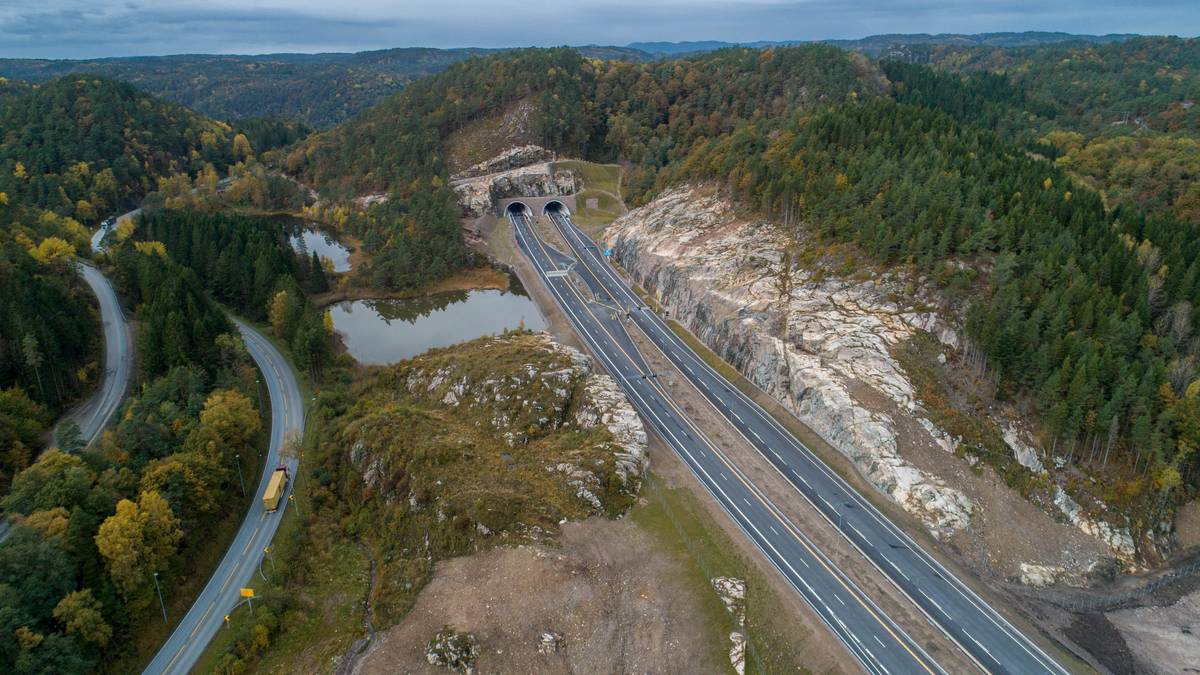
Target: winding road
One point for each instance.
(989, 639)
(243, 558)
(95, 414)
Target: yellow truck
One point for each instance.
(275, 489)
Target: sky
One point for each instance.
(99, 28)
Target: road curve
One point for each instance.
(977, 628)
(868, 634)
(94, 414)
(240, 565)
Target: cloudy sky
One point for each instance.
(95, 28)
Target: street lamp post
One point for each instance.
(161, 604)
(241, 481)
(292, 499)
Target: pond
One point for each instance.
(387, 331)
(311, 239)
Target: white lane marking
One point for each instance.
(776, 532)
(879, 641)
(935, 602)
(989, 652)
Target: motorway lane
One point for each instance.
(872, 638)
(983, 634)
(242, 561)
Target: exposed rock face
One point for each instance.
(1117, 538)
(512, 158)
(478, 195)
(732, 592)
(821, 350)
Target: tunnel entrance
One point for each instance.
(516, 209)
(554, 207)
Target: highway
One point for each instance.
(868, 634)
(241, 563)
(978, 629)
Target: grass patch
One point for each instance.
(679, 522)
(602, 183)
(604, 177)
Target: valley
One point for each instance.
(827, 356)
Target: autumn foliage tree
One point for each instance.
(138, 539)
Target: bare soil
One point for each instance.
(616, 600)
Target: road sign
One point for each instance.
(247, 592)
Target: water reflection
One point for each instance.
(387, 331)
(308, 240)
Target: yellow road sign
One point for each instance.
(247, 592)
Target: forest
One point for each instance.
(66, 148)
(91, 529)
(247, 263)
(1090, 294)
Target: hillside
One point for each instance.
(320, 90)
(876, 45)
(83, 146)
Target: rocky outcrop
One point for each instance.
(1117, 538)
(478, 195)
(732, 592)
(453, 650)
(553, 387)
(513, 158)
(821, 344)
(818, 346)
(605, 404)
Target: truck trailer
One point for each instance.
(275, 489)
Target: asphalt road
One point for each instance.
(94, 415)
(241, 565)
(870, 636)
(983, 634)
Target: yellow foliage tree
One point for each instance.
(19, 171)
(81, 614)
(232, 415)
(277, 312)
(241, 147)
(151, 248)
(52, 251)
(137, 540)
(51, 523)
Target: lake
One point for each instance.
(387, 331)
(311, 239)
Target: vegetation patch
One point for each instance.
(493, 441)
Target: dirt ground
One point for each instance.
(1163, 639)
(616, 600)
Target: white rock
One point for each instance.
(1118, 539)
(1025, 454)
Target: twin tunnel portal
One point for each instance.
(536, 206)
